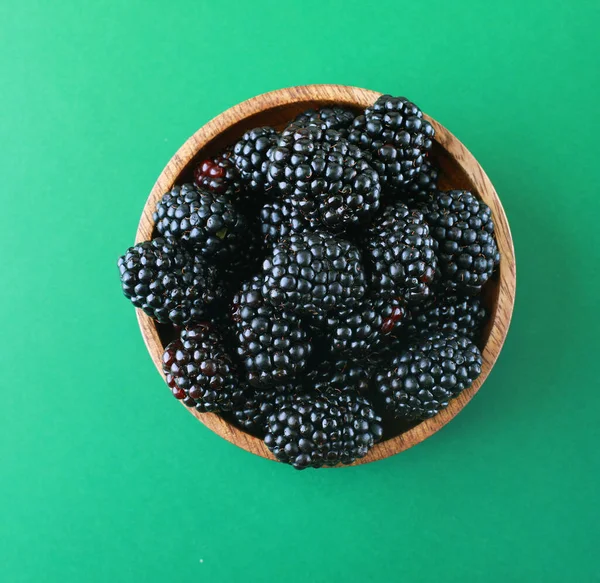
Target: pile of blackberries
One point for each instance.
(316, 273)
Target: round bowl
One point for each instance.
(459, 170)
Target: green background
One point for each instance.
(104, 477)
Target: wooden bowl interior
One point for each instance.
(457, 172)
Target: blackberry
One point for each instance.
(398, 137)
(293, 151)
(205, 221)
(461, 315)
(419, 382)
(168, 283)
(250, 156)
(340, 375)
(367, 332)
(271, 343)
(352, 333)
(423, 188)
(219, 175)
(199, 372)
(401, 252)
(280, 219)
(323, 429)
(463, 228)
(333, 183)
(253, 412)
(246, 261)
(326, 118)
(314, 273)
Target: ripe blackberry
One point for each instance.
(463, 228)
(323, 429)
(401, 253)
(313, 273)
(250, 156)
(280, 219)
(205, 221)
(219, 175)
(168, 283)
(423, 188)
(341, 375)
(271, 343)
(461, 315)
(199, 371)
(246, 261)
(419, 382)
(327, 118)
(333, 183)
(352, 333)
(398, 137)
(252, 413)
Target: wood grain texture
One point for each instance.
(459, 170)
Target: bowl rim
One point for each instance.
(322, 95)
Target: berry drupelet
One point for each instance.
(272, 345)
(419, 382)
(395, 132)
(168, 283)
(401, 254)
(206, 222)
(199, 372)
(314, 273)
(323, 429)
(463, 228)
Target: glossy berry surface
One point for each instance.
(323, 429)
(401, 254)
(463, 229)
(168, 283)
(199, 371)
(271, 343)
(206, 222)
(250, 156)
(398, 137)
(314, 273)
(421, 381)
(219, 175)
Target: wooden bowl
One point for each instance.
(459, 170)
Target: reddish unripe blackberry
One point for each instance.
(199, 371)
(219, 175)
